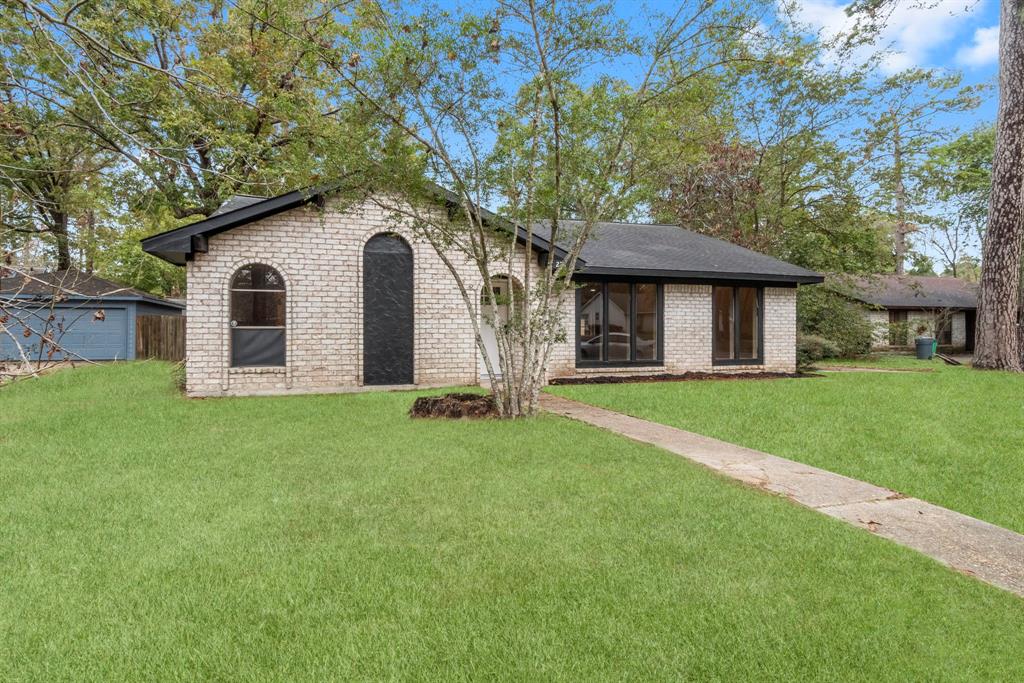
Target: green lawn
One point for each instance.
(953, 436)
(144, 536)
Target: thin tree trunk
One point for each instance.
(998, 342)
(90, 240)
(59, 229)
(900, 233)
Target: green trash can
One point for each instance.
(925, 347)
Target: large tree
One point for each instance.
(195, 100)
(957, 182)
(999, 332)
(47, 162)
(999, 328)
(764, 156)
(903, 126)
(513, 108)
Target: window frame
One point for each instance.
(283, 291)
(898, 316)
(657, 361)
(759, 359)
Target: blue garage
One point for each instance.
(86, 317)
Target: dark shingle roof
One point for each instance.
(238, 201)
(671, 251)
(912, 291)
(614, 249)
(76, 285)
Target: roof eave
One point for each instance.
(920, 306)
(700, 275)
(177, 246)
(156, 301)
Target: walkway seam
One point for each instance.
(985, 551)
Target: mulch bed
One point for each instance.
(684, 377)
(454, 406)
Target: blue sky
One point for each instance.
(959, 35)
(954, 35)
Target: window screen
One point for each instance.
(257, 317)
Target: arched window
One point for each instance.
(257, 317)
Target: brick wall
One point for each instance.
(320, 257)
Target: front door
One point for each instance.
(387, 311)
(500, 288)
(970, 320)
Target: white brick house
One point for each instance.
(290, 294)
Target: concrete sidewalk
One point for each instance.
(990, 553)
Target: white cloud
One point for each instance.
(983, 50)
(912, 33)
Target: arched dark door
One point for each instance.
(387, 311)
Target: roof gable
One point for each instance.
(177, 246)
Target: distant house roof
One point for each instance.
(913, 291)
(660, 250)
(76, 286)
(614, 249)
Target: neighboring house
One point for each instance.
(899, 304)
(284, 296)
(94, 318)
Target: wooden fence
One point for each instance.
(160, 336)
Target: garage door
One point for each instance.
(93, 339)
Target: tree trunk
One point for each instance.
(900, 233)
(59, 228)
(998, 341)
(89, 240)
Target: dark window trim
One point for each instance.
(231, 328)
(656, 362)
(759, 360)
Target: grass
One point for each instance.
(898, 361)
(150, 537)
(953, 436)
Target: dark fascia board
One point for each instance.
(494, 220)
(177, 246)
(698, 277)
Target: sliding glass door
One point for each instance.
(737, 325)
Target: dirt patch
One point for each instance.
(455, 406)
(684, 377)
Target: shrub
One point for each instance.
(822, 312)
(811, 348)
(178, 376)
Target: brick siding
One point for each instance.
(319, 255)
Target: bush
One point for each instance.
(822, 312)
(811, 348)
(178, 376)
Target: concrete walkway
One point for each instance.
(990, 553)
(864, 368)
